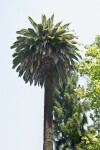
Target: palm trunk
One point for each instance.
(48, 117)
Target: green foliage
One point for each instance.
(89, 142)
(55, 42)
(95, 116)
(69, 115)
(90, 66)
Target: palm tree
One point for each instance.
(45, 54)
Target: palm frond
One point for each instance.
(58, 24)
(34, 24)
(65, 26)
(43, 20)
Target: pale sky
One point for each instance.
(21, 106)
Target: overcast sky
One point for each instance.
(21, 106)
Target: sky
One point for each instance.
(21, 106)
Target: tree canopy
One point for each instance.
(45, 40)
(90, 67)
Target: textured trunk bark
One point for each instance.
(48, 117)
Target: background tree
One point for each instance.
(45, 54)
(90, 66)
(69, 115)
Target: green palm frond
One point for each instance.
(58, 24)
(60, 33)
(43, 21)
(54, 30)
(34, 24)
(40, 29)
(52, 20)
(28, 33)
(65, 26)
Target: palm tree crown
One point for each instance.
(44, 40)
